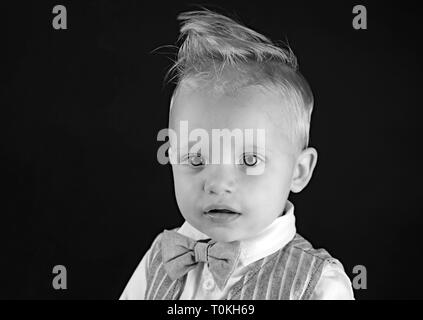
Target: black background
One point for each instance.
(81, 109)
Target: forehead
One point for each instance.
(253, 107)
(249, 107)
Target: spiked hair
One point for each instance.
(215, 46)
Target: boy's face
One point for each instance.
(258, 198)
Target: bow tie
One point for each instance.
(181, 254)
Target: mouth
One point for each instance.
(222, 215)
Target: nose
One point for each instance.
(220, 180)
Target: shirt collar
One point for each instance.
(281, 231)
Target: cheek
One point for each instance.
(186, 188)
(181, 184)
(266, 189)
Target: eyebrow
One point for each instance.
(249, 147)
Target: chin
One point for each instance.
(217, 234)
(223, 236)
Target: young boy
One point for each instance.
(239, 239)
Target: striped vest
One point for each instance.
(290, 273)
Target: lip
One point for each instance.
(223, 217)
(220, 214)
(218, 207)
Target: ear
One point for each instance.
(303, 170)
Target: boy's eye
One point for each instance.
(195, 159)
(250, 160)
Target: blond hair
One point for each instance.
(214, 46)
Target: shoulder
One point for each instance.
(328, 280)
(334, 284)
(137, 284)
(156, 244)
(299, 243)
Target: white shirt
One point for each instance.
(333, 284)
